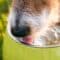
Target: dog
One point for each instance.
(35, 22)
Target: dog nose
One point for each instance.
(20, 31)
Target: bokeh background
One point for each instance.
(10, 50)
(4, 8)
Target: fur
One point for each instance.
(43, 18)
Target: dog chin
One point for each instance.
(50, 38)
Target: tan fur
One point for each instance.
(40, 9)
(34, 6)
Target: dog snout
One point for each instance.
(20, 31)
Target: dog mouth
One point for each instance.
(39, 41)
(28, 41)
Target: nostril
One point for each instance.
(20, 32)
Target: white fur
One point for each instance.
(40, 21)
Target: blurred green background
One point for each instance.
(4, 8)
(10, 50)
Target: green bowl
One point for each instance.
(18, 51)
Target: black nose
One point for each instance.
(20, 31)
